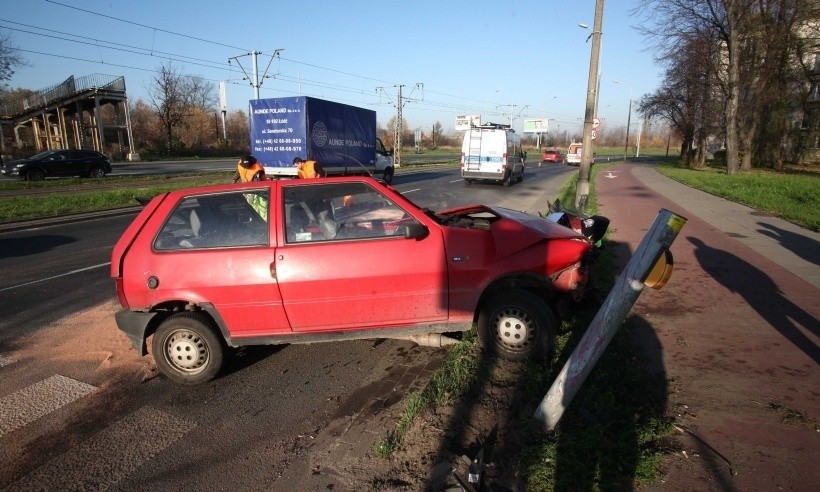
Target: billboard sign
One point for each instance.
(464, 123)
(537, 125)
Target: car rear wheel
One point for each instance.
(517, 325)
(96, 172)
(188, 349)
(36, 175)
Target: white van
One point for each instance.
(492, 152)
(574, 154)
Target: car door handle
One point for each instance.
(273, 270)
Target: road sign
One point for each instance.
(594, 134)
(595, 123)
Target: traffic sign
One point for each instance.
(594, 134)
(595, 123)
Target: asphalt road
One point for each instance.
(68, 420)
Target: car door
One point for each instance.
(348, 264)
(73, 163)
(214, 248)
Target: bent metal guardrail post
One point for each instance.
(610, 316)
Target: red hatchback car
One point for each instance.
(552, 156)
(292, 261)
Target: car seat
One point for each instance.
(297, 222)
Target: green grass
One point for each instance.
(89, 195)
(793, 196)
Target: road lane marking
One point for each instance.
(411, 191)
(29, 404)
(10, 287)
(456, 181)
(105, 459)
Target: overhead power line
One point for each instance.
(145, 26)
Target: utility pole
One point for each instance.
(587, 153)
(400, 102)
(397, 136)
(255, 80)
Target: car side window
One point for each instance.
(221, 220)
(339, 211)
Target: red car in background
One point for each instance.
(552, 156)
(302, 261)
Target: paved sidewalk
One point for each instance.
(794, 248)
(735, 331)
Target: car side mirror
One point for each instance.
(416, 230)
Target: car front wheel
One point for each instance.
(517, 325)
(36, 175)
(188, 349)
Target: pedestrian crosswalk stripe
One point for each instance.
(107, 458)
(39, 399)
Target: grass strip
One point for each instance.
(23, 207)
(791, 195)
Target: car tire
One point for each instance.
(188, 349)
(468, 181)
(35, 174)
(521, 177)
(388, 175)
(517, 325)
(96, 172)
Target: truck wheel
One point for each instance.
(507, 179)
(388, 175)
(188, 349)
(517, 325)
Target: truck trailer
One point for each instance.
(342, 138)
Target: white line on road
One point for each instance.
(411, 191)
(55, 276)
(31, 403)
(104, 460)
(456, 181)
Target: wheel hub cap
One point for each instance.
(186, 351)
(512, 328)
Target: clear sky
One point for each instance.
(525, 58)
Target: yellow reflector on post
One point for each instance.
(661, 271)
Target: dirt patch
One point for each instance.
(89, 341)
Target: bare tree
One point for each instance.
(9, 57)
(176, 98)
(756, 51)
(435, 134)
(202, 93)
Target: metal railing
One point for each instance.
(67, 88)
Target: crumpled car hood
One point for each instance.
(515, 230)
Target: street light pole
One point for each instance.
(628, 118)
(582, 189)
